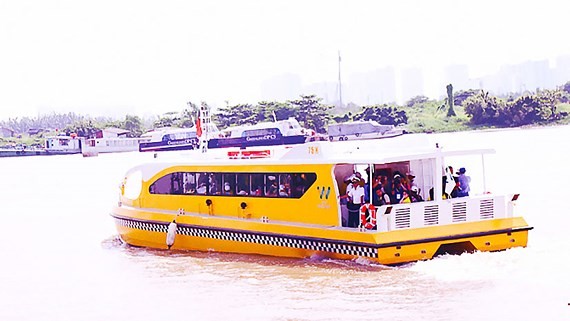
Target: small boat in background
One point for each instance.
(58, 145)
(281, 132)
(111, 140)
(358, 130)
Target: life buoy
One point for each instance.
(368, 222)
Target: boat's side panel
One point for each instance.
(255, 141)
(247, 236)
(177, 144)
(318, 205)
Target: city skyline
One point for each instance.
(390, 85)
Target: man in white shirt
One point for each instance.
(355, 196)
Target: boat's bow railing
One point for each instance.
(445, 212)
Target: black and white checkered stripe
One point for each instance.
(249, 237)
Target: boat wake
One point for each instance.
(114, 242)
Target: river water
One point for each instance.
(61, 259)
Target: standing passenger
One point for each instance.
(463, 183)
(355, 200)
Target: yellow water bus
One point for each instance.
(289, 202)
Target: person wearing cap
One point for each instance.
(415, 194)
(410, 175)
(463, 181)
(355, 197)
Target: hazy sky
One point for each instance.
(148, 57)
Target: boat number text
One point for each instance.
(313, 150)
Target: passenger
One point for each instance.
(410, 175)
(385, 184)
(379, 197)
(414, 195)
(283, 191)
(257, 191)
(228, 189)
(398, 191)
(273, 189)
(452, 180)
(355, 200)
(463, 183)
(361, 181)
(299, 183)
(201, 189)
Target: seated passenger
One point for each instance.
(273, 189)
(201, 189)
(283, 191)
(227, 189)
(190, 188)
(256, 192)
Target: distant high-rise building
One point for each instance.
(328, 91)
(458, 76)
(562, 70)
(373, 87)
(282, 87)
(412, 83)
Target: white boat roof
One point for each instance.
(373, 151)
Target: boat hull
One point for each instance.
(248, 236)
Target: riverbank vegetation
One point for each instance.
(464, 110)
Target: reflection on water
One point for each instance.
(61, 259)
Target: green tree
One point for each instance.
(383, 114)
(235, 115)
(417, 100)
(311, 113)
(134, 125)
(484, 109)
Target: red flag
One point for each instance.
(198, 127)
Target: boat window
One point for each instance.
(242, 184)
(229, 184)
(257, 184)
(189, 183)
(261, 132)
(168, 184)
(300, 182)
(203, 183)
(271, 185)
(284, 185)
(215, 184)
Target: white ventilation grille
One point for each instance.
(459, 212)
(487, 209)
(403, 218)
(431, 216)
